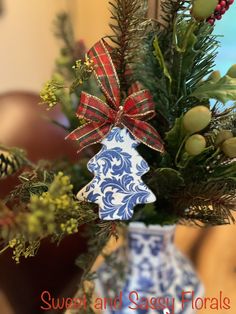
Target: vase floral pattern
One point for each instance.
(153, 267)
(117, 185)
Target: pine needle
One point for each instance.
(127, 30)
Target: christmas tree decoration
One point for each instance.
(116, 187)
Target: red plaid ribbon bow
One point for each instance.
(101, 116)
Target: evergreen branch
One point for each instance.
(64, 31)
(126, 15)
(188, 51)
(169, 11)
(208, 203)
(206, 51)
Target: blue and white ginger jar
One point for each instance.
(152, 267)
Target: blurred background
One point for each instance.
(29, 49)
(27, 58)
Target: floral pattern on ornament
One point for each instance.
(117, 186)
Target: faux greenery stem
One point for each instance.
(216, 153)
(180, 149)
(4, 249)
(179, 75)
(191, 27)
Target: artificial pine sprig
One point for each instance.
(64, 31)
(128, 29)
(210, 203)
(186, 51)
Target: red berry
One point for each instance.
(211, 21)
(221, 8)
(223, 4)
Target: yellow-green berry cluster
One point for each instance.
(51, 92)
(52, 208)
(83, 70)
(70, 227)
(22, 248)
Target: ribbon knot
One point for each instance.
(136, 110)
(119, 116)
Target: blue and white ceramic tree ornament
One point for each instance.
(120, 123)
(117, 185)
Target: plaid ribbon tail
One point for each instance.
(105, 72)
(89, 134)
(135, 87)
(144, 133)
(140, 105)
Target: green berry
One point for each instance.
(215, 76)
(232, 71)
(229, 147)
(223, 136)
(195, 145)
(203, 9)
(197, 119)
